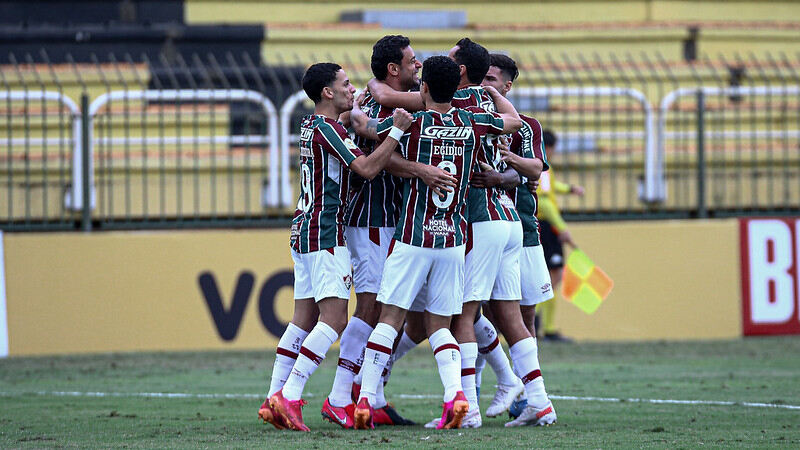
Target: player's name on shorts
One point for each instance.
(448, 150)
(439, 227)
(448, 133)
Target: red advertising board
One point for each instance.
(770, 254)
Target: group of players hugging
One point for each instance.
(430, 213)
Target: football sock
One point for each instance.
(469, 352)
(380, 398)
(285, 356)
(448, 359)
(312, 352)
(354, 338)
(480, 363)
(489, 346)
(376, 355)
(403, 347)
(526, 359)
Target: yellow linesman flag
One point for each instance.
(585, 285)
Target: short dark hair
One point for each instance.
(474, 57)
(317, 77)
(506, 65)
(549, 139)
(442, 76)
(388, 49)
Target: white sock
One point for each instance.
(404, 346)
(380, 397)
(357, 378)
(489, 346)
(311, 355)
(526, 360)
(351, 349)
(376, 355)
(469, 352)
(480, 363)
(285, 356)
(448, 360)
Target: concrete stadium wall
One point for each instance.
(514, 11)
(128, 291)
(305, 32)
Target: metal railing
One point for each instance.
(777, 165)
(252, 176)
(204, 144)
(31, 158)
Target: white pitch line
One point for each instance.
(402, 396)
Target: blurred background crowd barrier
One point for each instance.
(141, 114)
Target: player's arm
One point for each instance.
(488, 177)
(440, 181)
(562, 188)
(525, 164)
(509, 114)
(362, 124)
(387, 96)
(369, 166)
(530, 168)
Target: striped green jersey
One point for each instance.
(326, 151)
(493, 203)
(373, 203)
(527, 142)
(450, 141)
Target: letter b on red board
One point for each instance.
(769, 260)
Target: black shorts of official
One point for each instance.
(553, 250)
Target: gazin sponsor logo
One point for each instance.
(447, 133)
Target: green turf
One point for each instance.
(765, 370)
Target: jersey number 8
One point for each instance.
(444, 202)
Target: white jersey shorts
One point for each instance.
(322, 274)
(535, 278)
(368, 248)
(492, 265)
(409, 269)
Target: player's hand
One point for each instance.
(508, 156)
(532, 185)
(566, 238)
(360, 99)
(344, 118)
(439, 180)
(577, 190)
(402, 119)
(492, 91)
(487, 178)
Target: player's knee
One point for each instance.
(415, 330)
(337, 323)
(367, 308)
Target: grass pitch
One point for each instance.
(742, 393)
